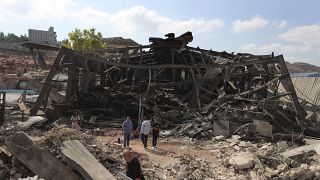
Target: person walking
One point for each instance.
(126, 131)
(145, 131)
(155, 134)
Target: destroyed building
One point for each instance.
(223, 115)
(220, 91)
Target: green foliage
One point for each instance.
(12, 37)
(85, 40)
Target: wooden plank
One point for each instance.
(78, 157)
(179, 66)
(289, 87)
(38, 160)
(47, 84)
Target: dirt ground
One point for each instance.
(163, 155)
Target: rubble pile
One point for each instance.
(193, 168)
(12, 63)
(53, 139)
(202, 93)
(226, 105)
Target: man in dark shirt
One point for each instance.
(155, 134)
(133, 165)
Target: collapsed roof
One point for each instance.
(218, 85)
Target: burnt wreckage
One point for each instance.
(178, 84)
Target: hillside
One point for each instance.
(300, 67)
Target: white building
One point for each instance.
(42, 37)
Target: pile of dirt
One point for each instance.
(15, 63)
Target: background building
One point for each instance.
(43, 37)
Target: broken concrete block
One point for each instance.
(33, 120)
(244, 144)
(300, 173)
(219, 138)
(300, 153)
(242, 160)
(38, 160)
(78, 157)
(263, 128)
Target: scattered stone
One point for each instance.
(244, 144)
(282, 168)
(300, 154)
(233, 141)
(219, 138)
(242, 160)
(253, 175)
(300, 173)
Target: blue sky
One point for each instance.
(288, 27)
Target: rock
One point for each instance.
(301, 173)
(253, 175)
(219, 138)
(237, 148)
(299, 154)
(296, 173)
(308, 175)
(282, 168)
(244, 144)
(270, 173)
(242, 160)
(181, 175)
(304, 166)
(317, 149)
(233, 141)
(282, 145)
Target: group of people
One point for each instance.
(133, 165)
(146, 129)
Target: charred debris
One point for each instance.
(196, 92)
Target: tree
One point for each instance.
(1, 35)
(12, 37)
(85, 40)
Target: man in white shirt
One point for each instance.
(145, 131)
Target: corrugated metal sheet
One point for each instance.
(307, 88)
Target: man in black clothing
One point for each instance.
(155, 134)
(133, 165)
